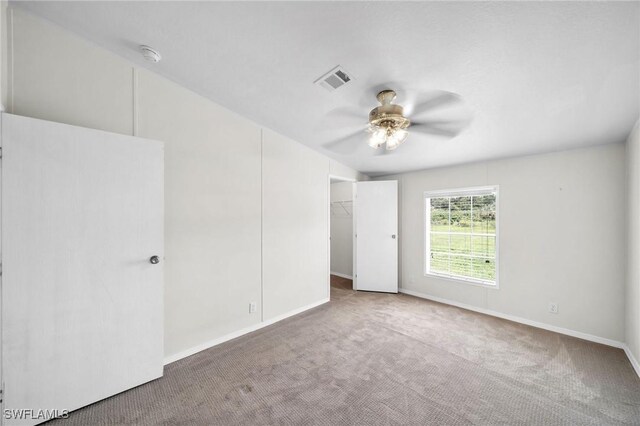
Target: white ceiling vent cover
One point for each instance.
(334, 79)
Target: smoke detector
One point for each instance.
(334, 79)
(150, 54)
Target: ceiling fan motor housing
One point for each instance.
(388, 115)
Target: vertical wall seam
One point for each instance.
(10, 61)
(134, 93)
(328, 204)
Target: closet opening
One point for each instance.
(341, 234)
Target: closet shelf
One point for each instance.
(341, 208)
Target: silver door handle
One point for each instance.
(154, 260)
(393, 236)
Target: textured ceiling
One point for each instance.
(534, 76)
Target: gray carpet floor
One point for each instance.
(382, 359)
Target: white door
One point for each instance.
(377, 236)
(82, 302)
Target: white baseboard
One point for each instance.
(632, 359)
(211, 343)
(338, 274)
(568, 332)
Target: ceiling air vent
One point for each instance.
(333, 79)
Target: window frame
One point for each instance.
(426, 249)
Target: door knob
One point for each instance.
(393, 236)
(154, 259)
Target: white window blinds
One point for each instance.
(461, 234)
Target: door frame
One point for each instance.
(353, 227)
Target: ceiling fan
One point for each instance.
(388, 126)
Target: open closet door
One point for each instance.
(82, 288)
(377, 236)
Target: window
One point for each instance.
(461, 234)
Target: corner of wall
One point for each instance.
(4, 47)
(632, 285)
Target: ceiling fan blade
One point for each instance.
(433, 102)
(439, 129)
(348, 113)
(383, 151)
(345, 118)
(348, 144)
(449, 124)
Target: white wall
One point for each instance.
(562, 233)
(632, 330)
(246, 209)
(56, 76)
(212, 212)
(295, 217)
(342, 229)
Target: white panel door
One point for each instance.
(82, 302)
(376, 210)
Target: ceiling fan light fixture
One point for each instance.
(395, 138)
(378, 137)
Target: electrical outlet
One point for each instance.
(252, 307)
(553, 307)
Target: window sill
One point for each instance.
(461, 280)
